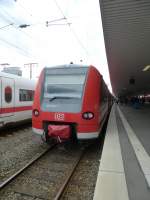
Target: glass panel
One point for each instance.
(8, 94)
(26, 95)
(63, 86)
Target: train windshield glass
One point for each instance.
(63, 89)
(69, 86)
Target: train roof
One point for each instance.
(71, 66)
(19, 79)
(8, 75)
(67, 66)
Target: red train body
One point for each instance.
(70, 102)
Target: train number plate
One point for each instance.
(59, 116)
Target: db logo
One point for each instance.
(59, 116)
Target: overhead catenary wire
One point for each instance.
(31, 15)
(8, 18)
(12, 20)
(21, 50)
(12, 23)
(18, 28)
(24, 52)
(21, 26)
(11, 44)
(3, 27)
(49, 23)
(72, 30)
(25, 9)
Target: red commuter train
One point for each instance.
(71, 101)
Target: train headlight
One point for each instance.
(36, 113)
(88, 115)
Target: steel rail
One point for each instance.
(7, 181)
(65, 184)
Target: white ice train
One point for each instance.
(16, 98)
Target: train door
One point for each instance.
(8, 95)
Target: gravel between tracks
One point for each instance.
(82, 184)
(17, 147)
(40, 182)
(43, 179)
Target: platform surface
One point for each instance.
(124, 171)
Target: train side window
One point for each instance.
(26, 95)
(8, 94)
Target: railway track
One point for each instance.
(70, 174)
(50, 174)
(55, 181)
(17, 147)
(80, 183)
(11, 178)
(7, 185)
(56, 185)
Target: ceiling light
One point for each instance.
(146, 68)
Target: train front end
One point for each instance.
(63, 104)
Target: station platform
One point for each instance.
(124, 171)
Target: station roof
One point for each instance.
(126, 26)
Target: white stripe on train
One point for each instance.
(90, 135)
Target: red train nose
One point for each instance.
(59, 131)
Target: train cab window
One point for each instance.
(8, 94)
(26, 95)
(65, 86)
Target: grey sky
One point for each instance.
(56, 44)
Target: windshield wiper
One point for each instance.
(60, 97)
